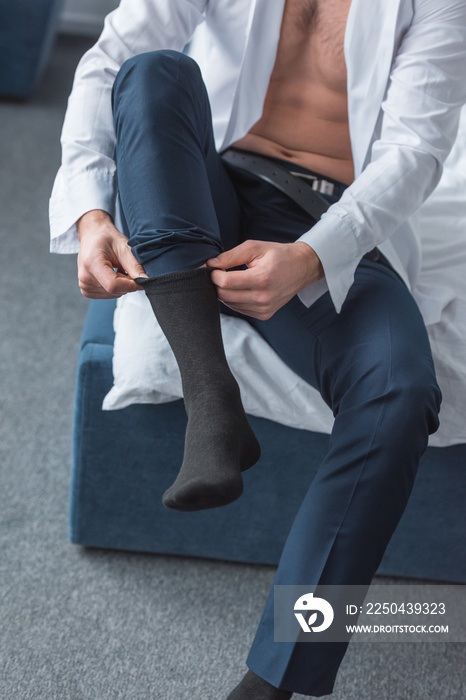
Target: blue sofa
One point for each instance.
(27, 31)
(122, 462)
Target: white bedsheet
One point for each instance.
(145, 370)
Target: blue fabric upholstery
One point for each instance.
(27, 30)
(122, 462)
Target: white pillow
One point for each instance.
(145, 370)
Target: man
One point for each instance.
(362, 98)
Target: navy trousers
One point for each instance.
(372, 363)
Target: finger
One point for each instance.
(238, 279)
(99, 295)
(129, 263)
(115, 283)
(87, 282)
(260, 300)
(90, 288)
(239, 255)
(249, 310)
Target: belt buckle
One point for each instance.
(323, 186)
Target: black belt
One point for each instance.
(301, 188)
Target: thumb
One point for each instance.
(239, 255)
(130, 264)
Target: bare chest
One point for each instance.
(312, 41)
(305, 113)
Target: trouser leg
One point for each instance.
(372, 363)
(178, 203)
(373, 366)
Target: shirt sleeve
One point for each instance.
(87, 177)
(418, 125)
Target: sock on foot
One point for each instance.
(219, 441)
(254, 688)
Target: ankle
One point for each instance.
(217, 386)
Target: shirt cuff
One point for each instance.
(71, 199)
(333, 240)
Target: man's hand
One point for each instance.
(102, 247)
(276, 272)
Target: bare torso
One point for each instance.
(305, 115)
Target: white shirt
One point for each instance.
(406, 63)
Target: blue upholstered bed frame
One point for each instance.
(122, 462)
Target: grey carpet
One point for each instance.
(94, 625)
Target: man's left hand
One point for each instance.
(276, 272)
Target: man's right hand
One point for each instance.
(102, 247)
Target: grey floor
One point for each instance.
(96, 625)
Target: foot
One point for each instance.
(219, 442)
(254, 688)
(219, 446)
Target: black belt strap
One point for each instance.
(277, 175)
(285, 181)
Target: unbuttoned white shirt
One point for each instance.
(406, 82)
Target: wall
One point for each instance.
(85, 17)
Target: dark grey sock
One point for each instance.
(219, 441)
(254, 688)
